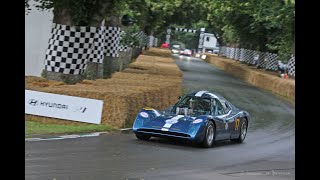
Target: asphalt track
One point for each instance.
(267, 153)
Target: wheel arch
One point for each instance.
(214, 123)
(246, 118)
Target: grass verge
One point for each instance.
(37, 128)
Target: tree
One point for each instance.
(265, 25)
(80, 12)
(190, 40)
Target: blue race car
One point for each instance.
(202, 117)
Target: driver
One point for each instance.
(192, 105)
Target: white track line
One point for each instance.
(72, 136)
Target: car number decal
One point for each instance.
(237, 124)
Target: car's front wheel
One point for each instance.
(209, 135)
(143, 137)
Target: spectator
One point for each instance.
(282, 69)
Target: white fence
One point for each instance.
(265, 60)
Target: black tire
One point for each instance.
(243, 132)
(143, 137)
(209, 137)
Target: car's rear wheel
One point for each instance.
(243, 132)
(143, 137)
(209, 135)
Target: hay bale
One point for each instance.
(257, 77)
(150, 81)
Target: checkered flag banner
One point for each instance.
(112, 41)
(291, 66)
(123, 48)
(97, 54)
(70, 48)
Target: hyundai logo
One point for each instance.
(33, 102)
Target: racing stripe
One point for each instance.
(170, 122)
(199, 94)
(167, 125)
(213, 95)
(174, 118)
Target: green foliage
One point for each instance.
(189, 40)
(265, 25)
(81, 11)
(26, 6)
(230, 35)
(154, 16)
(129, 38)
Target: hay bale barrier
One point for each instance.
(153, 80)
(258, 77)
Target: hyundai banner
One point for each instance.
(63, 107)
